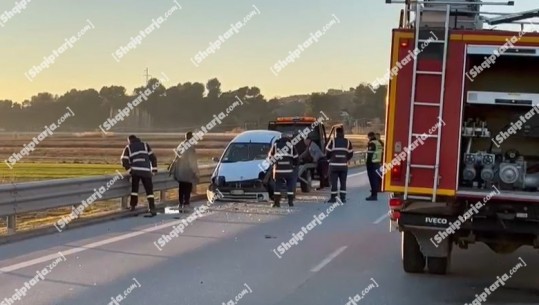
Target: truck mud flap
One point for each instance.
(428, 247)
(425, 227)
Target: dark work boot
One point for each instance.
(291, 200)
(133, 203)
(276, 201)
(372, 197)
(151, 206)
(343, 198)
(332, 199)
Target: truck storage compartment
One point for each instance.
(500, 132)
(509, 73)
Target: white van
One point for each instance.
(240, 174)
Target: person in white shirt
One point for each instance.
(314, 153)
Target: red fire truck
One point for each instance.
(461, 159)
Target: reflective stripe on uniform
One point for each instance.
(138, 153)
(332, 144)
(138, 160)
(149, 196)
(134, 194)
(284, 155)
(284, 170)
(140, 168)
(339, 164)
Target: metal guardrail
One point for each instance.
(18, 198)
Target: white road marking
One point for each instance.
(89, 246)
(329, 259)
(377, 221)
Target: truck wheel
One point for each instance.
(413, 261)
(307, 187)
(437, 265)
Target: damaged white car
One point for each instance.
(240, 173)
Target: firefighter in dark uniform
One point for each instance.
(140, 162)
(339, 152)
(284, 169)
(374, 159)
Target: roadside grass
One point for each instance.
(44, 171)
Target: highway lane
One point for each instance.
(233, 251)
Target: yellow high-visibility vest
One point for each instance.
(377, 155)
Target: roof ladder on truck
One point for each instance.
(412, 135)
(462, 14)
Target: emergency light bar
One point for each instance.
(296, 119)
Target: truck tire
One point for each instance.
(413, 261)
(438, 265)
(306, 187)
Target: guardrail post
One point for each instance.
(163, 195)
(11, 224)
(125, 203)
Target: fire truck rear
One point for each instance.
(461, 159)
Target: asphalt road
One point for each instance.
(233, 252)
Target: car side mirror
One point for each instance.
(215, 159)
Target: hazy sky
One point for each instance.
(355, 49)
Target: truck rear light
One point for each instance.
(395, 203)
(396, 172)
(394, 215)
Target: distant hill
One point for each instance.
(294, 98)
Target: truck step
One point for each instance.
(419, 197)
(424, 166)
(429, 72)
(427, 104)
(417, 135)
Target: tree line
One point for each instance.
(185, 105)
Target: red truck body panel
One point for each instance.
(425, 117)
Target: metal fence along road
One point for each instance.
(19, 198)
